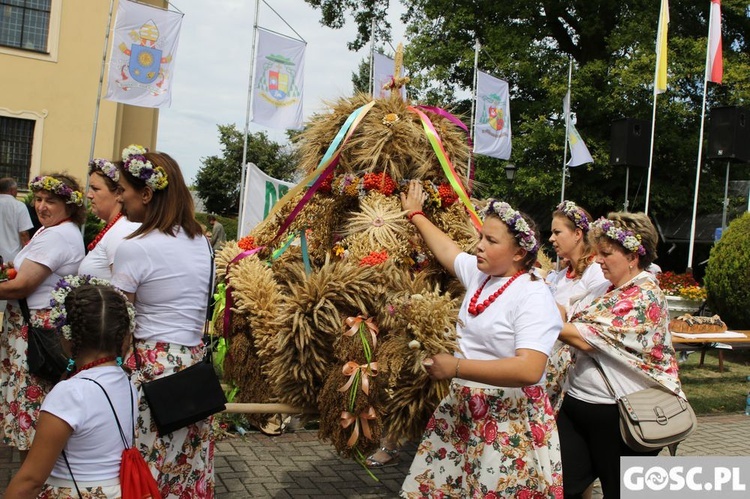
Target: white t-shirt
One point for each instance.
(577, 294)
(524, 316)
(98, 261)
(60, 249)
(95, 448)
(14, 218)
(169, 276)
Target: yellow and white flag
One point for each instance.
(142, 61)
(660, 80)
(579, 153)
(277, 89)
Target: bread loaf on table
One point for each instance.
(696, 324)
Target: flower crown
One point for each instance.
(51, 184)
(135, 162)
(59, 316)
(629, 239)
(513, 219)
(106, 167)
(574, 214)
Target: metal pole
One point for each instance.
(248, 111)
(627, 184)
(726, 201)
(566, 110)
(372, 56)
(469, 166)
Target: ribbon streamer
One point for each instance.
(347, 419)
(351, 369)
(354, 323)
(445, 162)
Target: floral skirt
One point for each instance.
(66, 489)
(558, 364)
(488, 443)
(21, 393)
(183, 461)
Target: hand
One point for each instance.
(413, 199)
(440, 366)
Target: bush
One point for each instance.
(728, 274)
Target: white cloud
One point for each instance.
(213, 68)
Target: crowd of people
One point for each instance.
(528, 410)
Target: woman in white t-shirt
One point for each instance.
(104, 200)
(78, 444)
(494, 432)
(55, 250)
(164, 267)
(574, 287)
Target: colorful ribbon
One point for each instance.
(347, 419)
(352, 369)
(445, 162)
(460, 124)
(354, 323)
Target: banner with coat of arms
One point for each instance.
(142, 61)
(277, 89)
(382, 74)
(492, 118)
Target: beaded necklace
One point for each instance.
(475, 309)
(101, 233)
(570, 273)
(95, 363)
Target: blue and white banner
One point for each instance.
(142, 61)
(492, 118)
(277, 89)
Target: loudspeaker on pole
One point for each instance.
(729, 134)
(630, 142)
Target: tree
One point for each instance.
(218, 180)
(529, 43)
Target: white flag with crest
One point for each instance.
(382, 75)
(579, 153)
(492, 119)
(144, 49)
(277, 89)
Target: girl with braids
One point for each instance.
(574, 287)
(164, 267)
(78, 446)
(494, 434)
(55, 250)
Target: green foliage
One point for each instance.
(230, 224)
(728, 275)
(612, 45)
(218, 180)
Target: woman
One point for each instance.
(494, 433)
(75, 418)
(574, 287)
(164, 268)
(625, 332)
(55, 250)
(104, 200)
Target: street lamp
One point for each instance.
(510, 171)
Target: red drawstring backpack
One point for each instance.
(136, 481)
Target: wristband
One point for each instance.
(458, 364)
(414, 214)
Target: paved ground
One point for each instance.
(298, 465)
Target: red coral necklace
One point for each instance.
(95, 363)
(570, 273)
(101, 233)
(475, 309)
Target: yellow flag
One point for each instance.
(660, 81)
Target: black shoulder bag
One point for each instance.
(189, 395)
(45, 355)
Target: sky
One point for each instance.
(212, 72)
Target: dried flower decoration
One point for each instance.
(627, 238)
(55, 186)
(106, 167)
(575, 214)
(135, 163)
(513, 219)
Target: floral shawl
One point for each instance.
(630, 326)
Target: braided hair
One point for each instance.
(98, 319)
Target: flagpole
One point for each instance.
(469, 166)
(248, 111)
(661, 36)
(567, 130)
(99, 97)
(372, 56)
(700, 149)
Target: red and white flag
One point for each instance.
(714, 64)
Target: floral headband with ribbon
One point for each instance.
(513, 219)
(135, 162)
(51, 184)
(59, 316)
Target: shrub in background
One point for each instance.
(728, 274)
